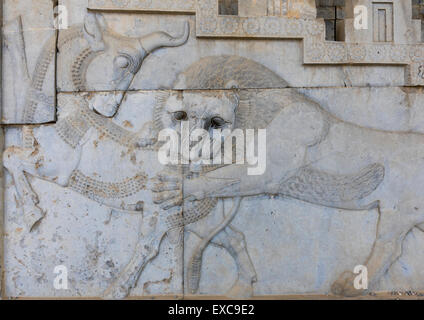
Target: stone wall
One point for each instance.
(332, 11)
(2, 215)
(90, 203)
(228, 7)
(418, 13)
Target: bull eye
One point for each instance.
(122, 62)
(180, 115)
(217, 122)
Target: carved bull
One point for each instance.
(52, 152)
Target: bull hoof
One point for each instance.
(116, 292)
(344, 286)
(32, 216)
(242, 289)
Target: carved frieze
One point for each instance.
(129, 83)
(178, 6)
(29, 40)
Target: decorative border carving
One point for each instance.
(210, 24)
(175, 6)
(312, 31)
(315, 49)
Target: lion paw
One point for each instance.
(344, 286)
(241, 290)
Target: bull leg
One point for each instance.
(391, 231)
(38, 162)
(17, 161)
(146, 249)
(420, 227)
(234, 242)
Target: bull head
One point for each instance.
(125, 55)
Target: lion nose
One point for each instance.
(196, 123)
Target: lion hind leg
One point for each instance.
(392, 228)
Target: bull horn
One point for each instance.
(161, 39)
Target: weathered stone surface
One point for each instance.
(406, 30)
(342, 166)
(399, 109)
(287, 244)
(2, 293)
(2, 217)
(97, 224)
(177, 6)
(228, 7)
(29, 43)
(285, 58)
(359, 166)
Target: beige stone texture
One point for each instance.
(108, 189)
(29, 41)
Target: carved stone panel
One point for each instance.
(96, 211)
(185, 149)
(176, 6)
(29, 41)
(286, 58)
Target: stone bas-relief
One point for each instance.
(79, 121)
(94, 250)
(320, 159)
(28, 62)
(87, 191)
(76, 126)
(161, 68)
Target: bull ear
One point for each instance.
(93, 31)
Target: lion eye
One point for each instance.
(180, 115)
(217, 122)
(122, 62)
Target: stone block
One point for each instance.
(326, 12)
(161, 68)
(100, 223)
(330, 32)
(228, 7)
(252, 8)
(114, 192)
(29, 40)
